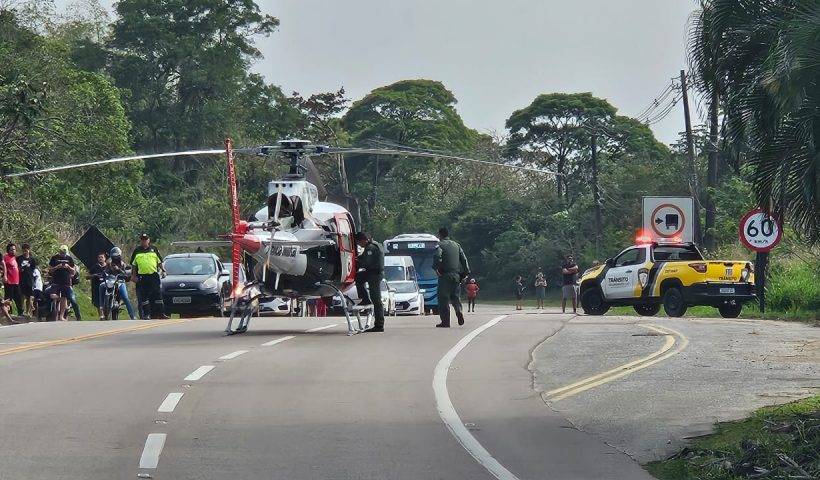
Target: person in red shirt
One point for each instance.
(321, 307)
(472, 293)
(11, 285)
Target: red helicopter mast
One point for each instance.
(237, 227)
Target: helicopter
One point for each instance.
(296, 245)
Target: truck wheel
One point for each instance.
(727, 310)
(593, 303)
(673, 303)
(648, 309)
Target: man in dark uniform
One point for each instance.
(370, 264)
(147, 265)
(451, 265)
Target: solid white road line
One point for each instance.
(170, 403)
(199, 373)
(450, 416)
(152, 450)
(278, 340)
(20, 324)
(232, 355)
(321, 328)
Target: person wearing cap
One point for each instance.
(147, 266)
(62, 269)
(451, 265)
(370, 265)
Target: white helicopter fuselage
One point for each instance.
(309, 246)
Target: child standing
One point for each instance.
(472, 293)
(519, 293)
(540, 289)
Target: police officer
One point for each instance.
(371, 271)
(147, 265)
(451, 265)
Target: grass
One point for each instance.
(749, 310)
(773, 443)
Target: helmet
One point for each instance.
(115, 252)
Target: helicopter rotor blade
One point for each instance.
(116, 160)
(423, 154)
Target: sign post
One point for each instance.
(669, 218)
(760, 232)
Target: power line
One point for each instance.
(664, 113)
(656, 103)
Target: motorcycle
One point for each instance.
(111, 301)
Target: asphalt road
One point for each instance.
(108, 400)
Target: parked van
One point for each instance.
(398, 268)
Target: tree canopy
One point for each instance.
(760, 61)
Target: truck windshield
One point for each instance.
(676, 252)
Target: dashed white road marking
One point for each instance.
(170, 403)
(152, 450)
(20, 343)
(449, 415)
(321, 328)
(278, 340)
(233, 355)
(199, 373)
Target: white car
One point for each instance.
(408, 297)
(274, 306)
(388, 298)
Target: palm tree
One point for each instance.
(759, 60)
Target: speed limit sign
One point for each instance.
(759, 231)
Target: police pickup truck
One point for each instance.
(676, 276)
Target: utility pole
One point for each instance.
(711, 170)
(690, 152)
(596, 194)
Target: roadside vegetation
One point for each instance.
(781, 442)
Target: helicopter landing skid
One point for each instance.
(242, 310)
(354, 309)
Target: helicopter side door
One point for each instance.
(347, 247)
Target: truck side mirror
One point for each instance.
(610, 262)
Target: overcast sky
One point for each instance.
(495, 56)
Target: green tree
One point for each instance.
(184, 64)
(415, 113)
(759, 61)
(553, 131)
(52, 112)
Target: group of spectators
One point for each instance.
(569, 286)
(23, 285)
(27, 294)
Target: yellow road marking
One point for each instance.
(90, 336)
(618, 372)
